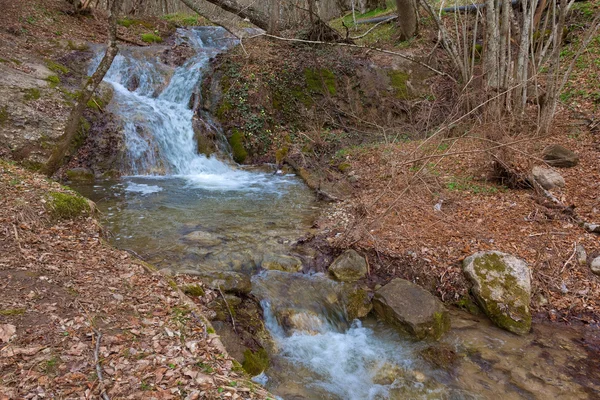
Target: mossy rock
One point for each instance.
(281, 263)
(236, 141)
(502, 288)
(358, 304)
(151, 38)
(80, 175)
(349, 267)
(193, 290)
(66, 206)
(398, 80)
(255, 362)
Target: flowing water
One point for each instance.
(191, 213)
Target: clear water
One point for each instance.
(171, 191)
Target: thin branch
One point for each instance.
(228, 309)
(98, 367)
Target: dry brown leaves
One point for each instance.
(61, 286)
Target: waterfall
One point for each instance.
(153, 101)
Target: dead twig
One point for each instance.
(228, 309)
(98, 367)
(17, 240)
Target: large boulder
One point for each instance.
(559, 156)
(502, 287)
(412, 309)
(349, 267)
(547, 178)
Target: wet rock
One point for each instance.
(595, 265)
(227, 281)
(349, 267)
(559, 156)
(581, 255)
(203, 239)
(281, 263)
(358, 304)
(412, 309)
(305, 321)
(502, 288)
(547, 178)
(80, 175)
(177, 55)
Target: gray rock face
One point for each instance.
(548, 178)
(80, 175)
(203, 239)
(581, 255)
(412, 309)
(502, 287)
(281, 263)
(595, 265)
(348, 267)
(592, 228)
(559, 156)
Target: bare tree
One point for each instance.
(74, 122)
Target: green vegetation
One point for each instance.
(255, 362)
(398, 81)
(66, 206)
(466, 184)
(151, 38)
(56, 67)
(320, 81)
(54, 80)
(32, 94)
(236, 141)
(50, 366)
(126, 22)
(183, 19)
(11, 312)
(193, 290)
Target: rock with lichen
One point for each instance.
(349, 267)
(502, 288)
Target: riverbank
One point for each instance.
(79, 318)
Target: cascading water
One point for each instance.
(153, 100)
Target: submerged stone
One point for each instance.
(412, 309)
(227, 281)
(204, 239)
(349, 267)
(502, 288)
(281, 263)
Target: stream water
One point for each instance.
(190, 213)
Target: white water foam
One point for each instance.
(142, 188)
(153, 100)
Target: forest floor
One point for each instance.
(79, 318)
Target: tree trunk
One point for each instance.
(274, 17)
(73, 123)
(217, 15)
(408, 22)
(254, 15)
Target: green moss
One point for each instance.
(236, 366)
(223, 109)
(11, 312)
(56, 67)
(183, 19)
(151, 38)
(79, 47)
(53, 80)
(32, 94)
(126, 22)
(343, 167)
(236, 141)
(398, 81)
(468, 305)
(66, 206)
(320, 80)
(441, 324)
(193, 290)
(3, 115)
(210, 330)
(281, 154)
(255, 362)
